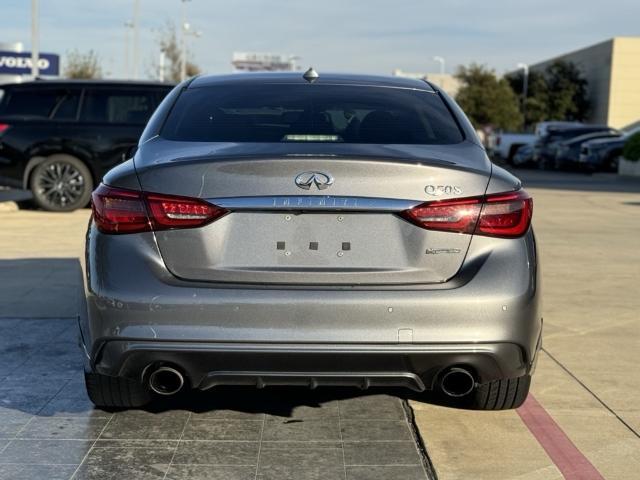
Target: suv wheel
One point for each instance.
(61, 183)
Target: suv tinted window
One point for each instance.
(67, 107)
(117, 106)
(32, 102)
(311, 113)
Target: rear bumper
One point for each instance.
(206, 365)
(487, 317)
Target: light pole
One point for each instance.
(186, 31)
(35, 35)
(184, 26)
(136, 37)
(128, 25)
(525, 88)
(440, 60)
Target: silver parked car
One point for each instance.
(288, 229)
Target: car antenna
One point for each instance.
(310, 75)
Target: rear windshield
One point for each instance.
(311, 113)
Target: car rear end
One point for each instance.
(342, 232)
(602, 155)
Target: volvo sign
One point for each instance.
(19, 63)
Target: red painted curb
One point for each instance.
(570, 461)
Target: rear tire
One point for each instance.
(501, 394)
(61, 183)
(115, 392)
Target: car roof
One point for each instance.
(602, 141)
(297, 78)
(577, 128)
(83, 82)
(593, 135)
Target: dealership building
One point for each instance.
(612, 69)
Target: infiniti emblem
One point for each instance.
(319, 179)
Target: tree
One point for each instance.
(82, 65)
(567, 92)
(537, 109)
(169, 44)
(557, 93)
(487, 99)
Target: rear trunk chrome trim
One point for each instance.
(314, 202)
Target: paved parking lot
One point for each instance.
(587, 382)
(50, 430)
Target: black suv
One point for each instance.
(58, 138)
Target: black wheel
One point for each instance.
(501, 394)
(61, 183)
(115, 392)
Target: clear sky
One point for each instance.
(372, 36)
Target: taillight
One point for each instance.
(118, 210)
(3, 127)
(180, 212)
(446, 215)
(505, 215)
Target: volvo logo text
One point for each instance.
(319, 179)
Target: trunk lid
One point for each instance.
(348, 233)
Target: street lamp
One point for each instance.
(525, 88)
(440, 60)
(184, 26)
(186, 31)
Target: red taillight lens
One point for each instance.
(4, 126)
(505, 215)
(118, 210)
(446, 215)
(181, 212)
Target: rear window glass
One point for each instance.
(311, 113)
(32, 103)
(115, 106)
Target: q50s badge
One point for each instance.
(438, 190)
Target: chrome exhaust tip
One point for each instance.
(166, 381)
(457, 382)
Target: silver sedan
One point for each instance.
(288, 229)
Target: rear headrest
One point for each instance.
(378, 126)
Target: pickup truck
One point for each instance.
(505, 145)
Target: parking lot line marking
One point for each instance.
(565, 455)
